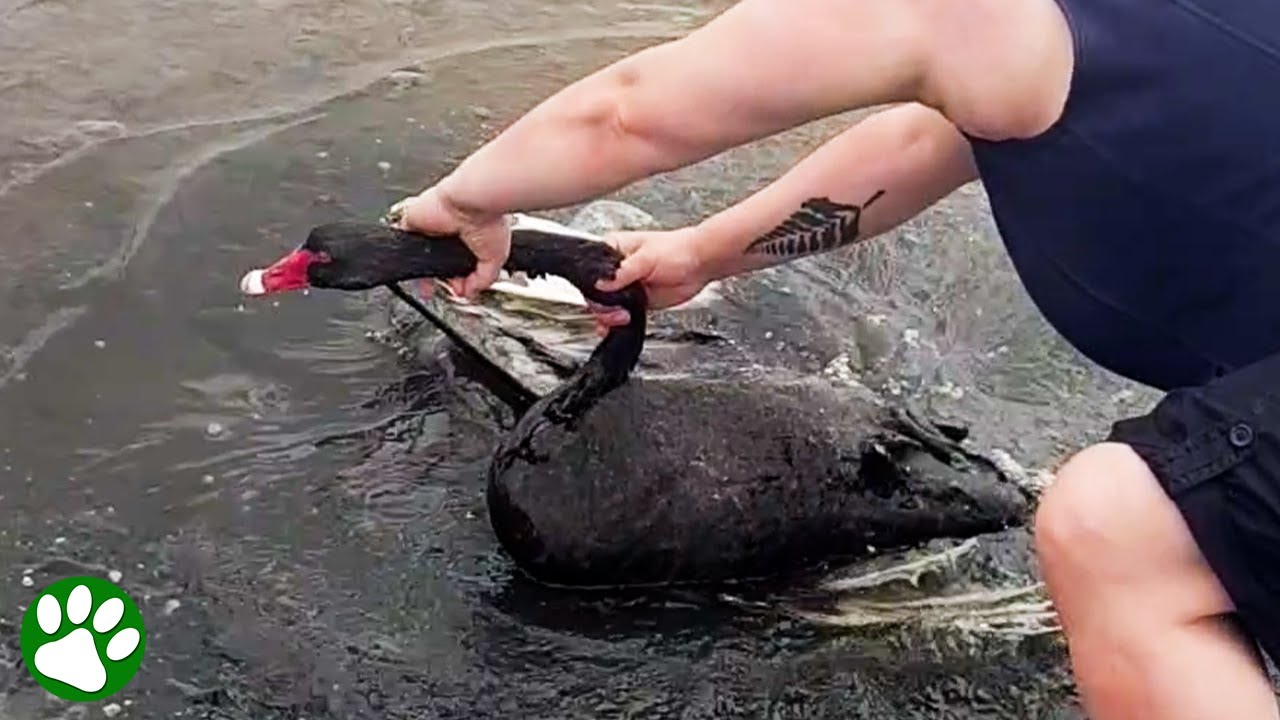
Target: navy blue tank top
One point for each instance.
(1145, 224)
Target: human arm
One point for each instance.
(758, 68)
(906, 157)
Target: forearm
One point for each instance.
(760, 67)
(877, 174)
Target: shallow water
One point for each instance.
(297, 505)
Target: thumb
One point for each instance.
(422, 213)
(490, 242)
(627, 243)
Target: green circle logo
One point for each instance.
(83, 639)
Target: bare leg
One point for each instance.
(1142, 611)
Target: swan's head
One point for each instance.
(291, 272)
(344, 256)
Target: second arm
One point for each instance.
(872, 177)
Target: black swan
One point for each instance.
(675, 481)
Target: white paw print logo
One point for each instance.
(83, 638)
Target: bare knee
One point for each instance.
(1107, 532)
(1085, 519)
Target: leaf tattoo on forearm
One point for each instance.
(818, 226)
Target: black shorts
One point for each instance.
(1216, 451)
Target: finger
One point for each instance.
(603, 328)
(605, 322)
(608, 313)
(425, 214)
(607, 316)
(485, 274)
(614, 317)
(426, 288)
(456, 286)
(633, 269)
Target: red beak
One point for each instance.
(288, 273)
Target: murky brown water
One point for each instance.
(296, 506)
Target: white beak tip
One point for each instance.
(251, 283)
